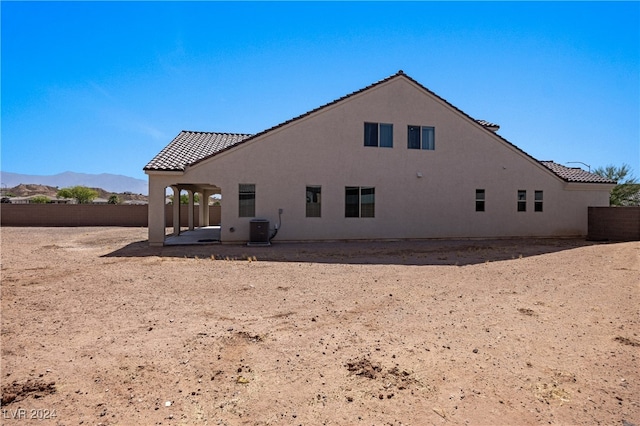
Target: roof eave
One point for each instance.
(581, 186)
(163, 171)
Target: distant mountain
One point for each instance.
(109, 182)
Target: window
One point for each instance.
(370, 134)
(522, 200)
(359, 201)
(413, 139)
(537, 201)
(367, 202)
(313, 201)
(352, 201)
(421, 137)
(247, 200)
(479, 200)
(378, 134)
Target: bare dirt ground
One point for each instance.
(98, 328)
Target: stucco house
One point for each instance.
(390, 161)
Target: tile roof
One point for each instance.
(574, 174)
(190, 147)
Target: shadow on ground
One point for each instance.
(424, 252)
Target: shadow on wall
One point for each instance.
(424, 252)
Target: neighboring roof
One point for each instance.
(489, 125)
(575, 174)
(190, 147)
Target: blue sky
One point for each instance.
(102, 87)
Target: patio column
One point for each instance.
(156, 220)
(190, 210)
(204, 207)
(176, 210)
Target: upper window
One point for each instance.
(247, 200)
(537, 201)
(378, 134)
(421, 137)
(479, 200)
(359, 201)
(522, 200)
(313, 201)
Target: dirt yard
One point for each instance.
(98, 328)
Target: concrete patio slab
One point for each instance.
(199, 236)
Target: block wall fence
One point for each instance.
(92, 215)
(604, 223)
(614, 224)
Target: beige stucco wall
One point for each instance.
(326, 149)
